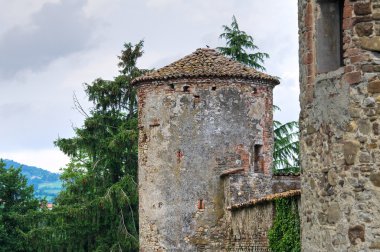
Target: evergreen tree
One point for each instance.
(16, 200)
(98, 207)
(240, 46)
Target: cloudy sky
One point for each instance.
(49, 48)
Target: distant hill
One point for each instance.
(46, 184)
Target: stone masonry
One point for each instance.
(205, 155)
(339, 123)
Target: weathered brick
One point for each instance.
(307, 58)
(359, 58)
(347, 11)
(351, 52)
(353, 77)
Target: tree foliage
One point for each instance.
(285, 234)
(16, 200)
(286, 147)
(240, 46)
(98, 207)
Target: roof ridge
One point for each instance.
(205, 62)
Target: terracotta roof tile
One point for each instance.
(267, 198)
(206, 63)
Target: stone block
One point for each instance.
(369, 102)
(364, 126)
(375, 129)
(333, 213)
(364, 29)
(350, 150)
(375, 245)
(353, 77)
(374, 86)
(356, 232)
(375, 178)
(376, 16)
(362, 9)
(332, 177)
(371, 44)
(359, 58)
(367, 68)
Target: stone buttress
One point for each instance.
(339, 123)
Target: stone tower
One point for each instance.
(340, 107)
(201, 118)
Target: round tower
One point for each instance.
(200, 118)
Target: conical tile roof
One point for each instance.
(206, 63)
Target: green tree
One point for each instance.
(286, 147)
(16, 200)
(98, 207)
(240, 46)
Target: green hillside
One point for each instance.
(46, 184)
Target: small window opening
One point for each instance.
(171, 86)
(258, 159)
(186, 89)
(155, 123)
(201, 204)
(213, 88)
(254, 90)
(144, 138)
(196, 96)
(329, 35)
(179, 155)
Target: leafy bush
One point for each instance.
(285, 232)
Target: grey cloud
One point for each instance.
(25, 126)
(58, 29)
(9, 110)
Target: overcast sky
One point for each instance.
(49, 48)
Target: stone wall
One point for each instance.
(193, 134)
(249, 226)
(339, 125)
(283, 183)
(249, 220)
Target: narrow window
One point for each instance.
(213, 88)
(329, 35)
(201, 204)
(171, 86)
(258, 159)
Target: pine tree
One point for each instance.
(98, 207)
(16, 201)
(240, 46)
